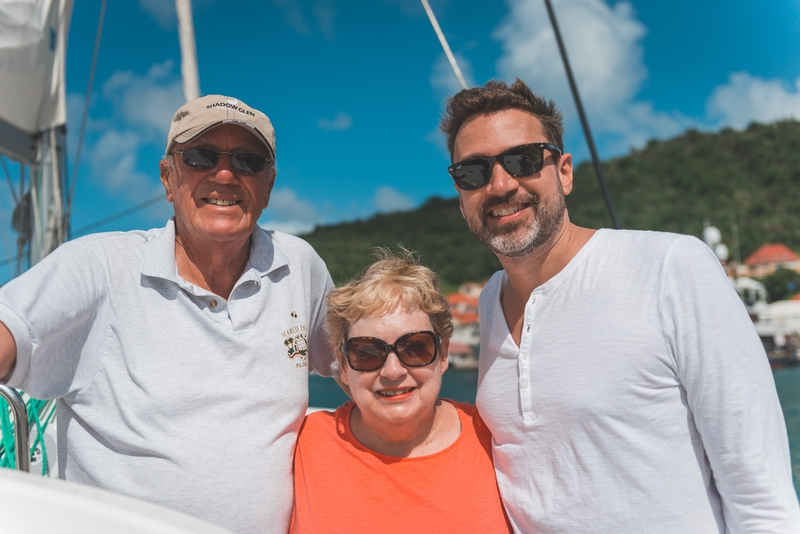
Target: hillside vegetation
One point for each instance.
(749, 178)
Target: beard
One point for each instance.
(519, 238)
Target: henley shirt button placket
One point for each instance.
(524, 348)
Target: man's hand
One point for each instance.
(8, 353)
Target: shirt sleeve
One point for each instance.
(320, 355)
(731, 394)
(51, 310)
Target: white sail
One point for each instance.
(33, 39)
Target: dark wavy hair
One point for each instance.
(496, 96)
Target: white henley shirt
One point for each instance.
(639, 400)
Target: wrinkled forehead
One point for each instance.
(229, 137)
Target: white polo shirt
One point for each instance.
(168, 392)
(639, 400)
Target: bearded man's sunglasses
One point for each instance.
(416, 349)
(518, 161)
(207, 158)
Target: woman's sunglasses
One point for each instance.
(416, 349)
(518, 161)
(207, 158)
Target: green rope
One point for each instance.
(7, 449)
(7, 444)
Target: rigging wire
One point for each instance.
(598, 169)
(450, 57)
(8, 177)
(121, 214)
(111, 218)
(85, 114)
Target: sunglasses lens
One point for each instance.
(200, 158)
(365, 354)
(248, 163)
(523, 163)
(471, 174)
(417, 349)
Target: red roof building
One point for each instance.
(770, 257)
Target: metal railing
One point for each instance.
(21, 430)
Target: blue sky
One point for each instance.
(355, 88)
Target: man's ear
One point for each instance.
(269, 188)
(565, 172)
(165, 171)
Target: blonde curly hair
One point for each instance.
(394, 281)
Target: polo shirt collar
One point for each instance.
(159, 255)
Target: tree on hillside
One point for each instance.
(747, 179)
(783, 284)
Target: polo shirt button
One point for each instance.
(523, 357)
(524, 384)
(213, 303)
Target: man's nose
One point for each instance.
(223, 170)
(501, 181)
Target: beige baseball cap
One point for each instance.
(201, 114)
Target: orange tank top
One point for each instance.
(341, 486)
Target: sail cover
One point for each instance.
(33, 41)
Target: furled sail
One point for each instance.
(33, 39)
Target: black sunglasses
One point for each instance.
(207, 158)
(518, 161)
(416, 349)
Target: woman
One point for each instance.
(398, 459)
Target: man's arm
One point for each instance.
(8, 353)
(730, 391)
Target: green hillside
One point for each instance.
(751, 178)
(436, 231)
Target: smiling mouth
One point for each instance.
(222, 202)
(510, 210)
(394, 392)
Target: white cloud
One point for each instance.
(141, 109)
(113, 160)
(387, 199)
(146, 102)
(443, 79)
(293, 15)
(342, 121)
(163, 11)
(606, 56)
(325, 13)
(289, 213)
(747, 98)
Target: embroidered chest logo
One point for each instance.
(296, 341)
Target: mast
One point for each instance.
(189, 71)
(584, 121)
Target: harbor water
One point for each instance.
(461, 386)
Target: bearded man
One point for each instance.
(620, 375)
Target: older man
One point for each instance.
(621, 377)
(180, 355)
